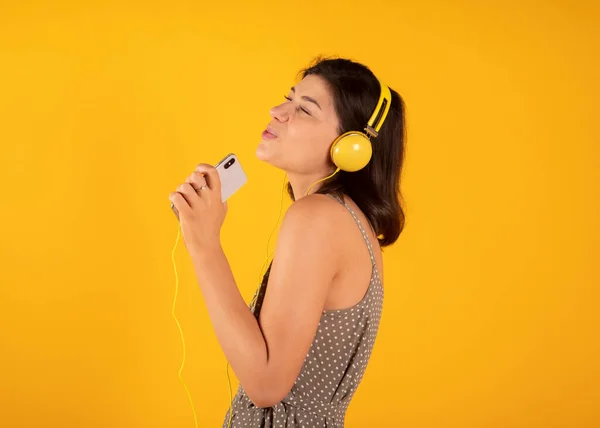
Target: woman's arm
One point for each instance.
(268, 357)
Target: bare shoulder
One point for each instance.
(315, 211)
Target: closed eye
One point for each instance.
(299, 108)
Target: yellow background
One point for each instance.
(490, 317)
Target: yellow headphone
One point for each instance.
(352, 150)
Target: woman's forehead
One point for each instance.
(315, 87)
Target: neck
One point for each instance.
(302, 182)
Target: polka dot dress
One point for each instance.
(332, 369)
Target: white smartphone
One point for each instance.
(232, 177)
(231, 174)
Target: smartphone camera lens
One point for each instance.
(229, 163)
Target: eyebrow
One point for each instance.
(307, 98)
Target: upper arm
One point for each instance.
(304, 265)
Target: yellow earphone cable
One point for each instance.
(322, 179)
(179, 326)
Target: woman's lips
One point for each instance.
(266, 135)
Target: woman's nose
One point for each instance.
(280, 113)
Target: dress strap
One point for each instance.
(360, 226)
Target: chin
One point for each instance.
(262, 152)
(267, 150)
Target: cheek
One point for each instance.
(308, 149)
(310, 138)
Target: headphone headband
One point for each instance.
(380, 112)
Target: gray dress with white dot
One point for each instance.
(332, 369)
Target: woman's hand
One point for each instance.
(201, 211)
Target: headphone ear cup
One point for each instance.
(351, 151)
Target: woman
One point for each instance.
(301, 350)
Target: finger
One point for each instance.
(197, 180)
(211, 176)
(180, 204)
(188, 193)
